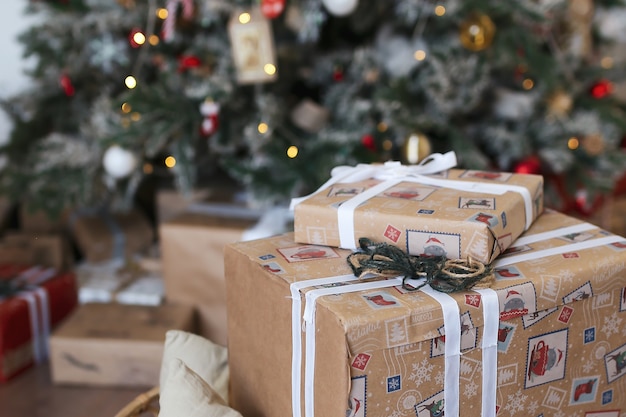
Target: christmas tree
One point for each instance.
(273, 94)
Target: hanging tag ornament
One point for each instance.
(272, 8)
(252, 44)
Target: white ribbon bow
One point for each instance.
(432, 164)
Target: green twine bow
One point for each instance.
(440, 273)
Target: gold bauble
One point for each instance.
(559, 104)
(415, 148)
(593, 144)
(477, 31)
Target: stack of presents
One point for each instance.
(546, 336)
(91, 294)
(532, 322)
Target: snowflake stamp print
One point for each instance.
(516, 403)
(566, 314)
(392, 233)
(360, 361)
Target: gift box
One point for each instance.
(33, 220)
(547, 338)
(102, 236)
(457, 213)
(24, 248)
(135, 281)
(33, 301)
(192, 253)
(114, 344)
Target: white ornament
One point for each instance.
(118, 162)
(340, 7)
(512, 105)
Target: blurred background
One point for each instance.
(106, 101)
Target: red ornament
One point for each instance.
(601, 89)
(66, 84)
(530, 165)
(186, 62)
(272, 8)
(368, 142)
(132, 40)
(338, 73)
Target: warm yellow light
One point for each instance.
(244, 18)
(527, 84)
(170, 162)
(292, 151)
(130, 82)
(606, 62)
(162, 13)
(153, 40)
(148, 168)
(440, 10)
(135, 117)
(126, 108)
(270, 69)
(262, 128)
(573, 143)
(382, 127)
(139, 38)
(125, 122)
(419, 55)
(387, 144)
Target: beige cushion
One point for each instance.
(207, 359)
(187, 394)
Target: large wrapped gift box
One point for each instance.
(114, 344)
(192, 253)
(102, 236)
(546, 339)
(41, 298)
(457, 212)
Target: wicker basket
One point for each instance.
(146, 403)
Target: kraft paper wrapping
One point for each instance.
(427, 219)
(561, 348)
(192, 251)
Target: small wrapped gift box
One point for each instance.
(426, 209)
(546, 337)
(133, 281)
(114, 344)
(35, 300)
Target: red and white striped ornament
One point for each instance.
(210, 110)
(169, 24)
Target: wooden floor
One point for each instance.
(32, 394)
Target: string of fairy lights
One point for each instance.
(476, 33)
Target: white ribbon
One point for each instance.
(39, 314)
(491, 324)
(573, 247)
(432, 164)
(452, 328)
(393, 173)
